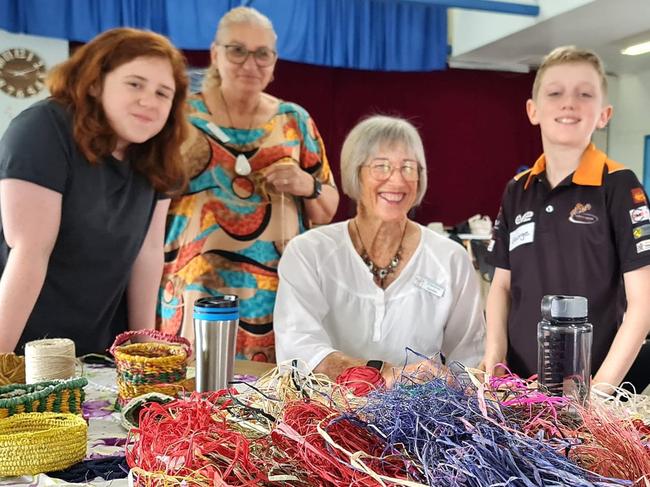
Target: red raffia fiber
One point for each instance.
(612, 446)
(191, 438)
(361, 380)
(297, 435)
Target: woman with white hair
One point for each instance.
(259, 176)
(361, 292)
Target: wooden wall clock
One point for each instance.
(22, 72)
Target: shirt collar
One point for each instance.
(588, 173)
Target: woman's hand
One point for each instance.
(289, 178)
(420, 371)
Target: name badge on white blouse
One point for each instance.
(217, 132)
(429, 286)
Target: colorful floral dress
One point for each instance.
(227, 232)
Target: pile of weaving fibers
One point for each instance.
(337, 451)
(460, 441)
(304, 430)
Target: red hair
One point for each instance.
(78, 82)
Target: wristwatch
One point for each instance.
(318, 188)
(375, 364)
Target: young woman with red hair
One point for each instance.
(83, 179)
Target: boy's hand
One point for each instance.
(493, 364)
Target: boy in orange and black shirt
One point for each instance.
(577, 223)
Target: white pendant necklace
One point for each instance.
(242, 165)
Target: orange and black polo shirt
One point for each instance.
(578, 238)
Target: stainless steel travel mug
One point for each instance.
(215, 334)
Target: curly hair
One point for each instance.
(78, 82)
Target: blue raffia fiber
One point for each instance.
(443, 429)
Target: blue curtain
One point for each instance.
(386, 35)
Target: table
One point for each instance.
(106, 435)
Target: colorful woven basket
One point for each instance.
(57, 396)
(159, 366)
(33, 443)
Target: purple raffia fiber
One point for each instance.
(442, 428)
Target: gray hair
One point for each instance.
(236, 16)
(243, 15)
(366, 138)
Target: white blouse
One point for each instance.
(327, 301)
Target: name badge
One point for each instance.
(217, 132)
(429, 286)
(522, 235)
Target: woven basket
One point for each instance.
(57, 396)
(33, 443)
(159, 366)
(12, 369)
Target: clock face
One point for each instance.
(21, 73)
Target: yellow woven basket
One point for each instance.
(158, 366)
(32, 443)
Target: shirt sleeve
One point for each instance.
(464, 333)
(300, 307)
(498, 248)
(627, 206)
(36, 148)
(313, 157)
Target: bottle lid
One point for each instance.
(224, 301)
(559, 307)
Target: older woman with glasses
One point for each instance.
(259, 176)
(361, 292)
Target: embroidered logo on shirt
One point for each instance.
(579, 214)
(522, 235)
(642, 231)
(638, 196)
(429, 286)
(523, 218)
(642, 246)
(640, 214)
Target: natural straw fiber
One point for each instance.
(159, 366)
(48, 359)
(12, 369)
(33, 443)
(65, 396)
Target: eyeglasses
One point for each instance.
(382, 170)
(238, 54)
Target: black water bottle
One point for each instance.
(564, 347)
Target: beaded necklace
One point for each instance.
(380, 273)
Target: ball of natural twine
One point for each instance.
(48, 359)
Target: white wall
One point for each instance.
(471, 29)
(51, 51)
(630, 95)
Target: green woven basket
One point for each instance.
(57, 396)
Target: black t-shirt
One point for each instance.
(105, 215)
(578, 238)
